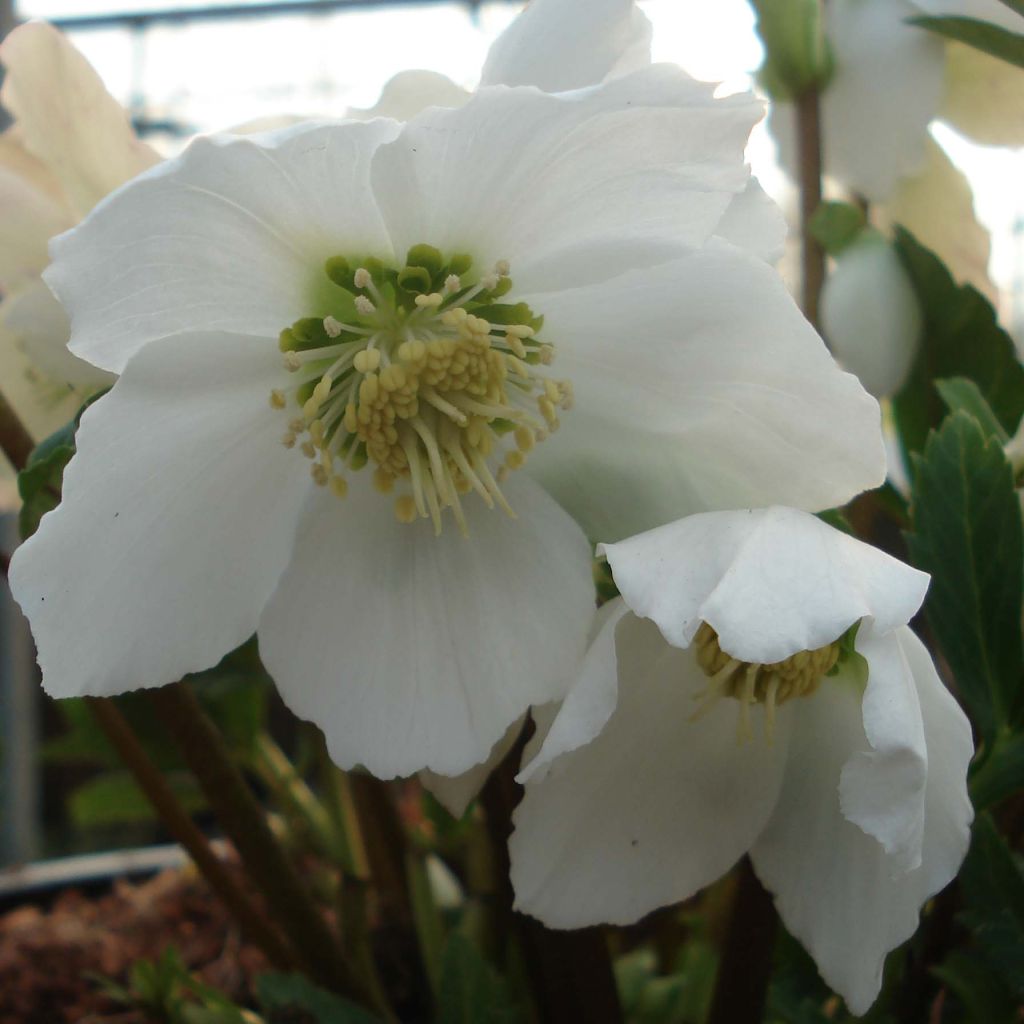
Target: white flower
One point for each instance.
(71, 144)
(678, 370)
(892, 79)
(870, 315)
(839, 764)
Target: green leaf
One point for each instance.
(114, 799)
(966, 532)
(980, 35)
(1001, 774)
(961, 394)
(961, 339)
(837, 225)
(471, 991)
(977, 986)
(290, 992)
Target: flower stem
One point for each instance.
(15, 440)
(243, 819)
(570, 971)
(177, 821)
(808, 121)
(741, 988)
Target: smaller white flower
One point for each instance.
(871, 316)
(776, 705)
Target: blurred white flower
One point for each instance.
(623, 215)
(70, 145)
(776, 705)
(870, 315)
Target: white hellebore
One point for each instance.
(71, 144)
(768, 699)
(870, 315)
(573, 283)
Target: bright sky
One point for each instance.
(217, 74)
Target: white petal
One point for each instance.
(559, 45)
(887, 87)
(456, 792)
(882, 789)
(984, 98)
(871, 316)
(30, 214)
(231, 236)
(410, 93)
(653, 809)
(835, 887)
(699, 385)
(594, 694)
(520, 175)
(753, 221)
(41, 325)
(770, 581)
(177, 519)
(413, 651)
(67, 117)
(957, 237)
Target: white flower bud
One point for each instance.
(871, 317)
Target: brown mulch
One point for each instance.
(46, 955)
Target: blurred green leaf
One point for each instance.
(961, 339)
(980, 35)
(837, 225)
(963, 395)
(966, 532)
(977, 986)
(471, 991)
(1001, 774)
(290, 992)
(1017, 6)
(113, 798)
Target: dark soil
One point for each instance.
(47, 955)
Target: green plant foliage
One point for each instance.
(1000, 774)
(280, 995)
(961, 339)
(113, 798)
(471, 992)
(980, 35)
(797, 54)
(966, 532)
(963, 395)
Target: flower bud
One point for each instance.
(871, 317)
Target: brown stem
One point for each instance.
(741, 988)
(243, 819)
(808, 120)
(570, 971)
(180, 825)
(15, 440)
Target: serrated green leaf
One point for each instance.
(966, 532)
(980, 35)
(961, 338)
(114, 799)
(293, 992)
(963, 395)
(837, 225)
(471, 991)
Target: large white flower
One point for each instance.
(749, 713)
(71, 145)
(446, 294)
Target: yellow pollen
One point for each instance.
(405, 509)
(772, 684)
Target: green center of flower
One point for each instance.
(423, 371)
(773, 684)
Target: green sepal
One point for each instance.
(798, 57)
(979, 35)
(426, 257)
(837, 226)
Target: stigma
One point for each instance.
(749, 683)
(423, 375)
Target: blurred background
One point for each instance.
(189, 66)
